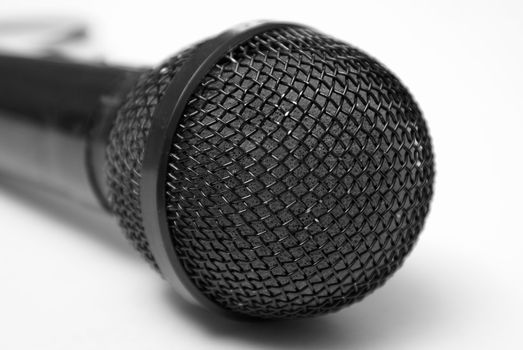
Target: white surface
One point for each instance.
(69, 282)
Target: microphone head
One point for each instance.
(275, 171)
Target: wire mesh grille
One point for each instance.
(126, 149)
(299, 176)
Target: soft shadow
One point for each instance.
(91, 222)
(406, 305)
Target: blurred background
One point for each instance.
(69, 280)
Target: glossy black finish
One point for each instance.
(54, 120)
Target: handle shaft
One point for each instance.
(54, 120)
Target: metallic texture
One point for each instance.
(126, 150)
(299, 176)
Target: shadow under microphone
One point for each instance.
(268, 172)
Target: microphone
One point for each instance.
(268, 172)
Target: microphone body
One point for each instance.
(269, 172)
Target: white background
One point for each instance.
(69, 280)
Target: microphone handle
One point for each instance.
(55, 118)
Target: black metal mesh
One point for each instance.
(299, 177)
(126, 150)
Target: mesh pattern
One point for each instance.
(126, 150)
(299, 176)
